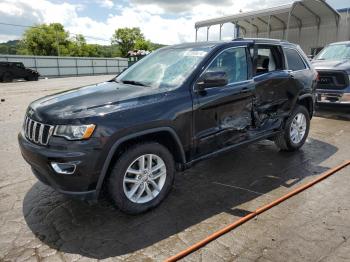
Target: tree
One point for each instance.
(10, 47)
(79, 47)
(107, 50)
(142, 44)
(53, 39)
(46, 40)
(126, 38)
(155, 46)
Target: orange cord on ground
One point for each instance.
(241, 221)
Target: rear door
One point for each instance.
(275, 91)
(222, 115)
(299, 69)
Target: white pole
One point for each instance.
(289, 14)
(250, 27)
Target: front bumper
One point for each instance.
(81, 184)
(333, 96)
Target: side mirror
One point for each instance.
(311, 57)
(212, 79)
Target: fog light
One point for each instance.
(63, 168)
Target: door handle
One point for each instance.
(290, 73)
(245, 90)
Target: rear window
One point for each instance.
(294, 61)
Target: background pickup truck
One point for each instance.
(333, 66)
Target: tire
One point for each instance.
(120, 186)
(32, 78)
(290, 139)
(7, 77)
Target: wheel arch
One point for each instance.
(163, 135)
(307, 101)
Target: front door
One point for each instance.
(223, 114)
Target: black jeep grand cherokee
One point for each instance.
(179, 105)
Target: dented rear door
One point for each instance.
(274, 97)
(276, 90)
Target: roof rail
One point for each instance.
(242, 39)
(261, 40)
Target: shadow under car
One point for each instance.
(209, 188)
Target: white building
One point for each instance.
(310, 23)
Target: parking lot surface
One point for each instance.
(38, 224)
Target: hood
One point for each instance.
(343, 65)
(89, 101)
(31, 70)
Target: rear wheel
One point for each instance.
(295, 131)
(7, 77)
(141, 178)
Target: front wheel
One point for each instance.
(32, 78)
(141, 177)
(295, 131)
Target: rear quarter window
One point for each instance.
(294, 60)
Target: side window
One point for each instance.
(233, 61)
(269, 59)
(294, 61)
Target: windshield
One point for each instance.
(335, 52)
(167, 68)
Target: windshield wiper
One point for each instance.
(114, 80)
(132, 82)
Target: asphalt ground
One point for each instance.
(38, 224)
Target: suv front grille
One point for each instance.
(36, 132)
(332, 80)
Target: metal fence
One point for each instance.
(56, 66)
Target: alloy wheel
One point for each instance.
(144, 178)
(298, 128)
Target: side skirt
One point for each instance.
(229, 148)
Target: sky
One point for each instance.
(161, 21)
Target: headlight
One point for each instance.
(71, 132)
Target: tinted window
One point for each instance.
(295, 62)
(265, 62)
(233, 61)
(269, 58)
